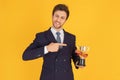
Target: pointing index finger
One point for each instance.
(62, 44)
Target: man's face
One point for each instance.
(58, 19)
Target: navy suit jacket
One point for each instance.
(56, 65)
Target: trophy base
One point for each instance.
(81, 62)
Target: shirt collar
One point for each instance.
(54, 31)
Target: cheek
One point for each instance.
(63, 21)
(53, 18)
(53, 21)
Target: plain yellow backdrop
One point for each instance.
(94, 22)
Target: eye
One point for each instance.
(57, 16)
(62, 17)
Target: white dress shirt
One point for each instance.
(55, 36)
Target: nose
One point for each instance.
(58, 19)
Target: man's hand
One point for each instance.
(79, 65)
(54, 47)
(81, 54)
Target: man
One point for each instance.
(56, 46)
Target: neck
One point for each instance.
(58, 29)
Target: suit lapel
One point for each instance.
(66, 39)
(50, 36)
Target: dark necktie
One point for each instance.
(58, 37)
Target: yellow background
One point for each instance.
(94, 22)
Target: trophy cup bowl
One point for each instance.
(82, 54)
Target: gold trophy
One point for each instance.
(82, 54)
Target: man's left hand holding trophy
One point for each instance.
(83, 55)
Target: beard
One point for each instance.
(57, 25)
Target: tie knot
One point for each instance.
(58, 33)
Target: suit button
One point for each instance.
(56, 60)
(39, 55)
(64, 70)
(64, 60)
(56, 70)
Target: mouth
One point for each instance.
(57, 23)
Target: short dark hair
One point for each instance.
(61, 7)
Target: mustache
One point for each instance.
(57, 22)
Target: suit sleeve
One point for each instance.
(34, 50)
(75, 57)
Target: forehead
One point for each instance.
(60, 13)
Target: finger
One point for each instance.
(77, 63)
(77, 51)
(81, 66)
(62, 44)
(51, 43)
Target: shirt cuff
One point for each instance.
(45, 50)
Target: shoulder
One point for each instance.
(40, 34)
(70, 34)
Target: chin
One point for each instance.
(57, 27)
